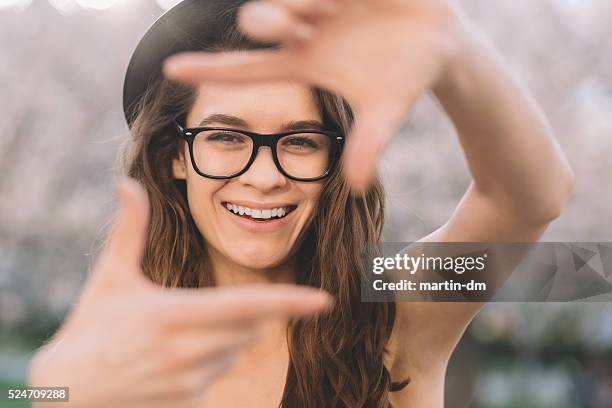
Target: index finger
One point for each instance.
(239, 304)
(233, 66)
(374, 126)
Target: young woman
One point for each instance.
(260, 185)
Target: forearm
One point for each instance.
(511, 152)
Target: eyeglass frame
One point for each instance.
(263, 139)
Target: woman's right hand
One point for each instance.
(130, 343)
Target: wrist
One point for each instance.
(459, 59)
(451, 36)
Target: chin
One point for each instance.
(258, 256)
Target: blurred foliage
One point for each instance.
(11, 404)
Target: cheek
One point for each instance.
(200, 190)
(312, 192)
(200, 193)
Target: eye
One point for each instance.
(225, 137)
(300, 142)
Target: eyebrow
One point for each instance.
(235, 121)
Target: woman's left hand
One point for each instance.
(380, 55)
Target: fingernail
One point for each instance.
(325, 300)
(325, 296)
(357, 190)
(322, 303)
(359, 185)
(170, 66)
(257, 13)
(357, 181)
(318, 297)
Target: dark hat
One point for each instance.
(191, 25)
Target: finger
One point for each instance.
(270, 22)
(237, 305)
(233, 67)
(123, 251)
(309, 9)
(374, 126)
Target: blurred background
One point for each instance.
(61, 72)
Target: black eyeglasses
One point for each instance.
(301, 155)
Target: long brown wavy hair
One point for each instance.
(336, 358)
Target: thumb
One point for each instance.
(374, 126)
(233, 67)
(120, 259)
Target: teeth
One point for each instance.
(255, 213)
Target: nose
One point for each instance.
(263, 173)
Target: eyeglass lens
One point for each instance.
(224, 153)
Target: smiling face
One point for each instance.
(262, 191)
